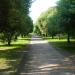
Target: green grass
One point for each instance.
(14, 44)
(10, 56)
(70, 47)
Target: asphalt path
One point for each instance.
(43, 59)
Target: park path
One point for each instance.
(43, 59)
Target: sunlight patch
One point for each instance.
(3, 64)
(38, 42)
(49, 65)
(32, 73)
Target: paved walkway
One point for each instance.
(43, 59)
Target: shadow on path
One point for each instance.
(43, 59)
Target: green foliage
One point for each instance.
(62, 44)
(37, 30)
(58, 20)
(47, 22)
(27, 25)
(66, 14)
(14, 18)
(52, 23)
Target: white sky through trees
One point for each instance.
(40, 6)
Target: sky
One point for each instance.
(40, 6)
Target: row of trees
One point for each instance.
(58, 20)
(14, 19)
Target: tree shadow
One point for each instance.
(69, 47)
(13, 57)
(25, 39)
(39, 61)
(49, 38)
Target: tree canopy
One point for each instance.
(14, 18)
(66, 14)
(47, 22)
(58, 20)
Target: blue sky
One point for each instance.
(40, 6)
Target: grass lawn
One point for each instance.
(63, 44)
(10, 56)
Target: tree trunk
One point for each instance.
(68, 38)
(59, 36)
(9, 42)
(52, 37)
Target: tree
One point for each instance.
(47, 22)
(11, 14)
(52, 22)
(36, 30)
(66, 15)
(41, 24)
(26, 26)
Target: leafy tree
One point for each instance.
(66, 15)
(37, 30)
(47, 22)
(26, 26)
(41, 24)
(11, 14)
(52, 22)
